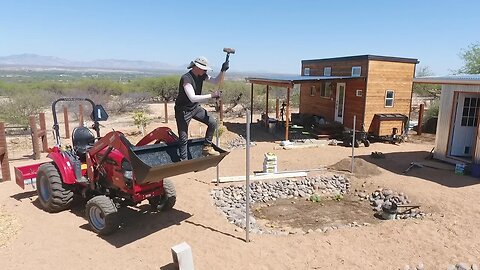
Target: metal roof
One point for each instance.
(290, 81)
(471, 79)
(365, 57)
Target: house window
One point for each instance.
(470, 112)
(306, 71)
(327, 71)
(359, 93)
(356, 71)
(389, 97)
(312, 90)
(326, 90)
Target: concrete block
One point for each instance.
(182, 256)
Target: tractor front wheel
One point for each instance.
(167, 200)
(53, 194)
(102, 215)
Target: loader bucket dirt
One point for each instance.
(153, 163)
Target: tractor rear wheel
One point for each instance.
(102, 215)
(167, 200)
(53, 194)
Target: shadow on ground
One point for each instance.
(259, 133)
(430, 169)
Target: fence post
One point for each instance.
(33, 128)
(80, 115)
(43, 132)
(166, 110)
(65, 119)
(420, 118)
(4, 154)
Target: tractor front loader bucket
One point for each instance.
(153, 163)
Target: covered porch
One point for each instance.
(288, 83)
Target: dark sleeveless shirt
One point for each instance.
(183, 102)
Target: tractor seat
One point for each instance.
(82, 140)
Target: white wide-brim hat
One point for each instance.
(201, 62)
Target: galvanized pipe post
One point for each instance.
(247, 178)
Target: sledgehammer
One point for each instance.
(220, 84)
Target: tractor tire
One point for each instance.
(366, 143)
(167, 200)
(102, 215)
(53, 194)
(356, 144)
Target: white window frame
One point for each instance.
(359, 93)
(327, 71)
(306, 71)
(326, 89)
(356, 71)
(392, 99)
(312, 90)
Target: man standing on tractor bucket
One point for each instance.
(187, 103)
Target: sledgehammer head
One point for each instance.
(229, 50)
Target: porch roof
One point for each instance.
(470, 79)
(292, 80)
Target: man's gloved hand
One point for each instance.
(225, 66)
(216, 94)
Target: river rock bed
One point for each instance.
(230, 200)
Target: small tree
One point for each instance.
(423, 89)
(141, 120)
(471, 59)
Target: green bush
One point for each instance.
(17, 108)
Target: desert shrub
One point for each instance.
(432, 112)
(141, 120)
(18, 107)
(128, 102)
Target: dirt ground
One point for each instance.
(32, 238)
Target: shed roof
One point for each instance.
(365, 57)
(471, 79)
(292, 80)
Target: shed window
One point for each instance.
(306, 71)
(327, 71)
(312, 90)
(326, 90)
(356, 71)
(389, 97)
(470, 112)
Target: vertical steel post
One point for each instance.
(218, 165)
(247, 178)
(353, 143)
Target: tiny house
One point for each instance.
(375, 89)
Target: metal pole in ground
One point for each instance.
(247, 178)
(353, 143)
(218, 165)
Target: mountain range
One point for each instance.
(33, 60)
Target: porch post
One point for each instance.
(287, 115)
(251, 103)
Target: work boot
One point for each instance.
(209, 151)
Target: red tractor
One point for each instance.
(110, 172)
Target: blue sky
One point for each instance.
(272, 36)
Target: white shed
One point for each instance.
(457, 137)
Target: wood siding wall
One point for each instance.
(339, 68)
(383, 76)
(445, 116)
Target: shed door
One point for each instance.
(340, 102)
(465, 125)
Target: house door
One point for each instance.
(340, 102)
(465, 125)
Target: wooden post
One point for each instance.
(420, 118)
(287, 115)
(43, 132)
(65, 119)
(4, 154)
(33, 128)
(166, 111)
(80, 114)
(277, 109)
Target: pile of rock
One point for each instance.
(231, 200)
(458, 266)
(385, 198)
(236, 143)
